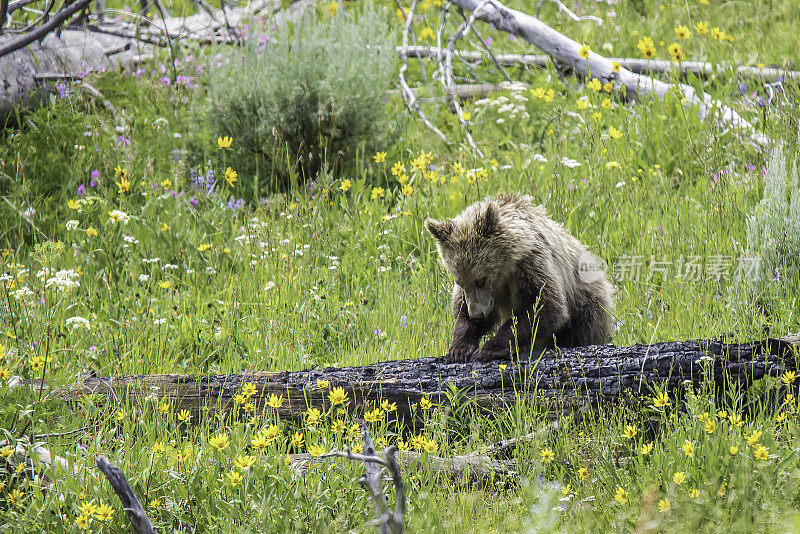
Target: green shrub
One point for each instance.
(774, 230)
(308, 100)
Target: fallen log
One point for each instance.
(701, 69)
(579, 378)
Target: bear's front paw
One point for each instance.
(487, 355)
(458, 353)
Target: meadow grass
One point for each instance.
(164, 270)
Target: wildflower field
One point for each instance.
(156, 240)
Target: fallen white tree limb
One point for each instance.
(109, 44)
(701, 69)
(565, 50)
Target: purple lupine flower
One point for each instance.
(743, 89)
(403, 322)
(63, 90)
(235, 204)
(124, 141)
(165, 80)
(193, 201)
(81, 189)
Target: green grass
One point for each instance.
(320, 276)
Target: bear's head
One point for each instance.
(472, 249)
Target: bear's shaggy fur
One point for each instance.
(515, 267)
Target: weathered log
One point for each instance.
(701, 69)
(573, 379)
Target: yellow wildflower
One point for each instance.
(123, 185)
(676, 51)
(583, 473)
(91, 232)
(82, 522)
(398, 169)
(104, 512)
(646, 448)
(235, 478)
(275, 401)
(688, 449)
(621, 495)
(231, 176)
(614, 133)
(345, 185)
(761, 452)
(788, 377)
(583, 51)
(249, 389)
(158, 448)
(220, 441)
(683, 32)
(316, 450)
(377, 192)
(244, 462)
(647, 47)
(663, 505)
(184, 416)
(297, 439)
(701, 28)
(754, 437)
(679, 477)
(630, 431)
(594, 85)
(547, 455)
(224, 142)
(337, 396)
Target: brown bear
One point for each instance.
(515, 267)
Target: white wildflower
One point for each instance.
(77, 321)
(71, 224)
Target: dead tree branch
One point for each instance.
(565, 50)
(409, 96)
(388, 521)
(700, 69)
(34, 35)
(141, 523)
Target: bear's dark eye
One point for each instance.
(480, 282)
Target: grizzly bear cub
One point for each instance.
(515, 267)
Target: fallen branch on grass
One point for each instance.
(478, 468)
(565, 50)
(130, 503)
(577, 378)
(701, 69)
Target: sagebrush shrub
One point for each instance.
(773, 231)
(307, 99)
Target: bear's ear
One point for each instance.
(489, 220)
(441, 230)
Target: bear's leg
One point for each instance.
(467, 333)
(547, 315)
